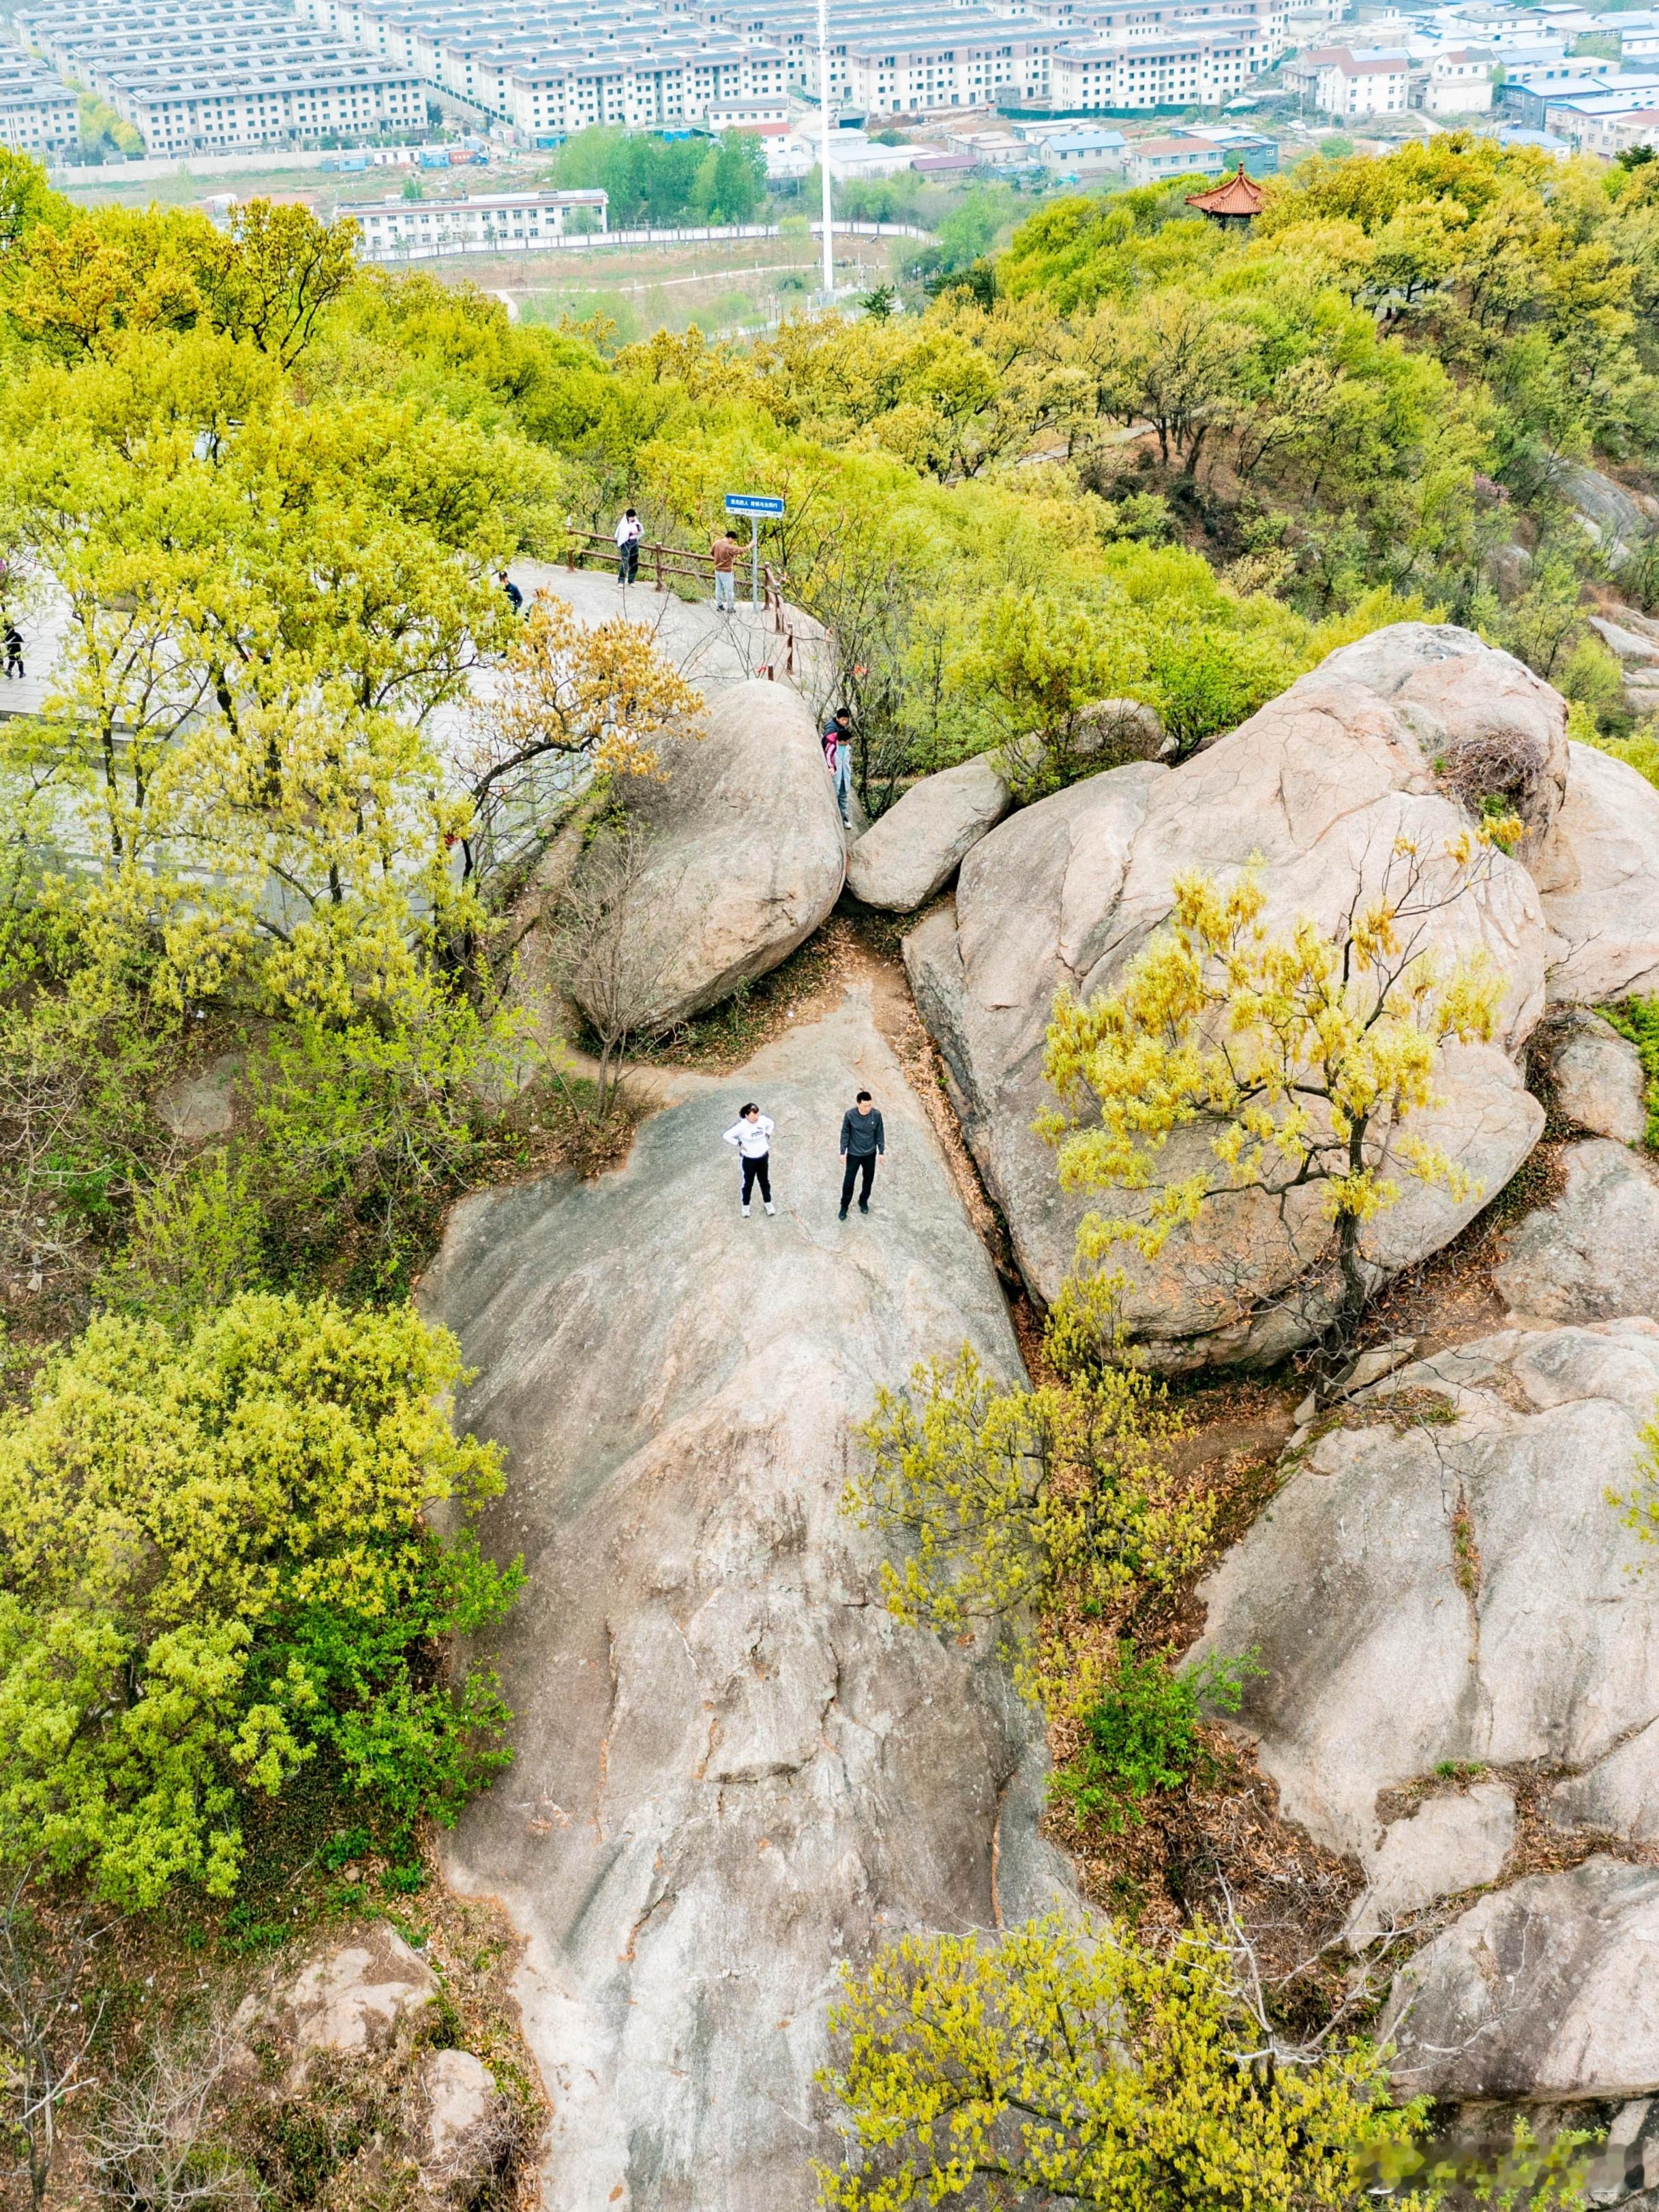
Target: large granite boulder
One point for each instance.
(1544, 1991)
(746, 855)
(734, 1769)
(1442, 1582)
(916, 846)
(1593, 1252)
(368, 1996)
(1598, 1079)
(1319, 789)
(1619, 522)
(1597, 874)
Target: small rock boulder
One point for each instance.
(1450, 1842)
(1545, 1991)
(1618, 521)
(466, 2124)
(1630, 645)
(1600, 1085)
(917, 846)
(365, 1995)
(746, 853)
(1449, 1581)
(1597, 874)
(199, 1105)
(1592, 1253)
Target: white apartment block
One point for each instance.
(549, 67)
(404, 230)
(1354, 86)
(37, 114)
(223, 76)
(1193, 67)
(1458, 82)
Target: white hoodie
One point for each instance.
(752, 1139)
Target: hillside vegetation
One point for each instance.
(267, 495)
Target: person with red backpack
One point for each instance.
(838, 758)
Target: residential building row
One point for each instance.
(221, 76)
(39, 113)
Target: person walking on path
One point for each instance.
(630, 531)
(863, 1142)
(838, 758)
(752, 1132)
(724, 554)
(514, 596)
(14, 649)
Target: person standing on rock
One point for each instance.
(838, 757)
(724, 554)
(863, 1141)
(752, 1132)
(630, 531)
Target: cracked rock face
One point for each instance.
(1319, 788)
(1598, 875)
(1593, 1252)
(1600, 1086)
(733, 1769)
(1545, 1991)
(1425, 1590)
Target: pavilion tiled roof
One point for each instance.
(1235, 195)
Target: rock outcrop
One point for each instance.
(1544, 1991)
(1616, 519)
(1319, 788)
(1598, 876)
(1448, 1584)
(466, 2124)
(746, 853)
(1597, 1077)
(734, 1770)
(1593, 1252)
(367, 1996)
(916, 846)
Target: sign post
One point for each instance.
(754, 505)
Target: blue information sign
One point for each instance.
(748, 502)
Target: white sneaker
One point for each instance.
(770, 1207)
(745, 1213)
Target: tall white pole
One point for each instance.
(824, 156)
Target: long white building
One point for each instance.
(403, 230)
(39, 113)
(222, 75)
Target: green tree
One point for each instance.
(215, 1565)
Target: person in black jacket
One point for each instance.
(863, 1141)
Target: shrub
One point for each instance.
(215, 1563)
(1047, 2066)
(1639, 1020)
(1142, 1734)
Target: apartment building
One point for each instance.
(1457, 82)
(549, 68)
(39, 114)
(404, 230)
(222, 75)
(1198, 67)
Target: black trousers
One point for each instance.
(757, 1171)
(627, 561)
(855, 1167)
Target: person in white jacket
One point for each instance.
(752, 1132)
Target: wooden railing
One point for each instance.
(660, 563)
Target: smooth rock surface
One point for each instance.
(1599, 1083)
(1450, 1842)
(734, 1769)
(747, 852)
(364, 1995)
(1318, 788)
(1616, 1796)
(1423, 1589)
(1627, 644)
(1592, 1253)
(1598, 876)
(1546, 1990)
(916, 846)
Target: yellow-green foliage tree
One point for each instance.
(1048, 2066)
(216, 1568)
(1026, 1508)
(1307, 1053)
